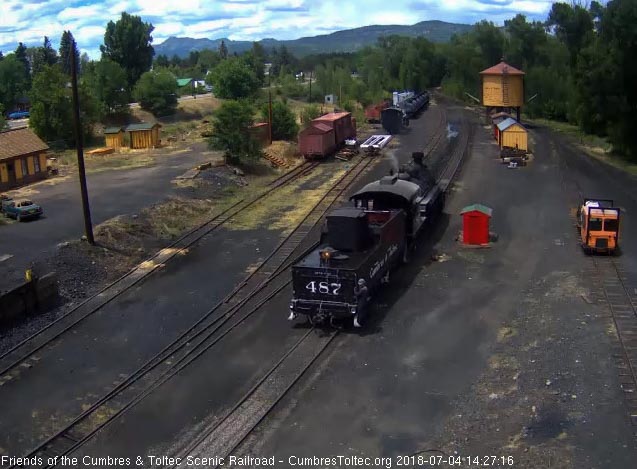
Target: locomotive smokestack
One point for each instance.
(394, 162)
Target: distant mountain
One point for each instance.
(348, 40)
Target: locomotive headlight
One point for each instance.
(325, 255)
(352, 310)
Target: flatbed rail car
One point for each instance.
(598, 225)
(356, 254)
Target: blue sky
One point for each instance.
(29, 20)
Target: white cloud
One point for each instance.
(27, 21)
(167, 29)
(87, 11)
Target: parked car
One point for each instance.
(19, 115)
(4, 199)
(22, 209)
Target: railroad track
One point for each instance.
(232, 429)
(299, 171)
(23, 353)
(612, 289)
(435, 139)
(448, 172)
(235, 426)
(256, 290)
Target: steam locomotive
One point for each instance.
(361, 244)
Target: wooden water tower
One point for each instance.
(502, 88)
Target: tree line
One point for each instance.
(578, 65)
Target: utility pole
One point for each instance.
(270, 104)
(310, 100)
(88, 226)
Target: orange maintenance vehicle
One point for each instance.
(598, 224)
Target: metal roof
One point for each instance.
(18, 142)
(112, 130)
(183, 81)
(405, 189)
(333, 116)
(141, 126)
(317, 128)
(501, 69)
(505, 124)
(477, 208)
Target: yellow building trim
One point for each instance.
(17, 166)
(30, 165)
(4, 174)
(42, 157)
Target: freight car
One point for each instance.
(414, 105)
(326, 134)
(372, 112)
(393, 119)
(361, 245)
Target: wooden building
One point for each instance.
(261, 133)
(512, 134)
(144, 135)
(22, 158)
(114, 137)
(502, 88)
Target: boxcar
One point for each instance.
(341, 123)
(317, 141)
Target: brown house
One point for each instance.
(22, 158)
(144, 135)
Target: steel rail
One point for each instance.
(206, 228)
(245, 432)
(72, 441)
(218, 426)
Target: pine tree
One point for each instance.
(21, 55)
(223, 50)
(49, 55)
(67, 43)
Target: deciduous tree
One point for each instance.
(13, 84)
(233, 79)
(156, 92)
(51, 115)
(108, 82)
(128, 43)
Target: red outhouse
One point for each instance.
(475, 224)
